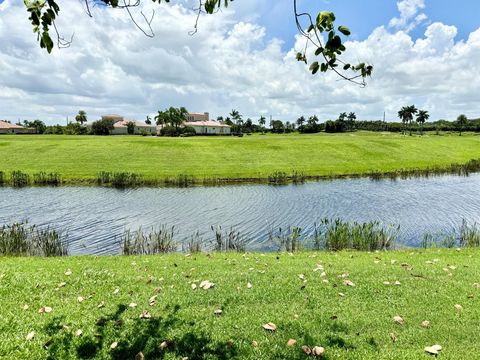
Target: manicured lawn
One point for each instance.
(311, 307)
(257, 156)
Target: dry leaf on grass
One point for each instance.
(206, 284)
(45, 310)
(425, 324)
(145, 315)
(62, 284)
(433, 350)
(386, 283)
(113, 345)
(270, 326)
(80, 299)
(116, 291)
(101, 305)
(68, 272)
(139, 356)
(30, 335)
(194, 286)
(399, 320)
(132, 305)
(458, 307)
(25, 307)
(318, 351)
(218, 312)
(152, 300)
(393, 337)
(164, 344)
(291, 342)
(79, 332)
(306, 349)
(249, 285)
(398, 283)
(254, 343)
(347, 282)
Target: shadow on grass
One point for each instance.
(134, 336)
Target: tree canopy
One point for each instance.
(319, 31)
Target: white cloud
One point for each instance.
(409, 15)
(112, 68)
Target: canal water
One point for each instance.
(95, 218)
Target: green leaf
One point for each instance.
(314, 67)
(344, 30)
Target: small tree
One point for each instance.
(461, 123)
(130, 127)
(102, 127)
(421, 118)
(81, 117)
(39, 125)
(301, 120)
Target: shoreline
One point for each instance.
(19, 179)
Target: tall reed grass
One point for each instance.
(231, 240)
(119, 179)
(159, 240)
(21, 239)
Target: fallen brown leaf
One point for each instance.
(132, 305)
(113, 345)
(270, 326)
(145, 315)
(45, 309)
(139, 356)
(318, 351)
(254, 343)
(79, 332)
(291, 342)
(306, 350)
(30, 335)
(393, 337)
(425, 324)
(399, 320)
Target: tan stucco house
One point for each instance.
(9, 128)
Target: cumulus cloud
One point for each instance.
(410, 15)
(113, 68)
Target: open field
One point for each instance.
(80, 158)
(311, 307)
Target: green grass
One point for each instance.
(83, 157)
(354, 326)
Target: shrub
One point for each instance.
(130, 128)
(278, 178)
(189, 131)
(170, 131)
(75, 129)
(102, 127)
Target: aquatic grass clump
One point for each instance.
(469, 235)
(278, 178)
(119, 179)
(180, 180)
(228, 240)
(2, 178)
(286, 240)
(19, 178)
(20, 239)
(339, 235)
(438, 241)
(193, 245)
(44, 178)
(157, 241)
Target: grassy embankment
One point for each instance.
(80, 158)
(305, 295)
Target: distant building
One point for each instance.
(9, 128)
(191, 117)
(209, 127)
(120, 126)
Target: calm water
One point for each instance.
(96, 217)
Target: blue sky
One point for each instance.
(423, 51)
(363, 16)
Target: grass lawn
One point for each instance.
(311, 307)
(257, 156)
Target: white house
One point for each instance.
(209, 127)
(120, 126)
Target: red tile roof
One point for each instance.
(7, 125)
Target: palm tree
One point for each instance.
(161, 118)
(406, 115)
(81, 117)
(422, 116)
(301, 120)
(262, 121)
(342, 116)
(148, 121)
(462, 121)
(351, 117)
(312, 120)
